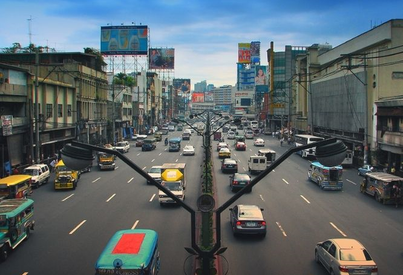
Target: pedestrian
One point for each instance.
(52, 165)
(281, 141)
(16, 171)
(396, 193)
(289, 140)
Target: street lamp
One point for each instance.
(78, 155)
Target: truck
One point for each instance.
(173, 177)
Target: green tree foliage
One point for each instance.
(124, 79)
(17, 48)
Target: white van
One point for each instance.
(257, 164)
(40, 174)
(254, 124)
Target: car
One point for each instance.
(229, 165)
(240, 146)
(231, 135)
(123, 146)
(345, 256)
(224, 153)
(221, 145)
(365, 169)
(40, 174)
(247, 219)
(171, 128)
(259, 142)
(249, 134)
(155, 173)
(238, 181)
(164, 132)
(188, 150)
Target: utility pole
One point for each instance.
(113, 101)
(37, 137)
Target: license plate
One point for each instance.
(230, 166)
(251, 224)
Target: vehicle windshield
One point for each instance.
(3, 220)
(250, 214)
(155, 170)
(120, 144)
(173, 186)
(354, 255)
(31, 172)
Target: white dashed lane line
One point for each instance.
(335, 227)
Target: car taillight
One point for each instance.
(238, 223)
(343, 268)
(262, 223)
(374, 269)
(234, 182)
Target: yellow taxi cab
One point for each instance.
(224, 153)
(15, 186)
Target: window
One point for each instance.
(49, 112)
(332, 250)
(69, 110)
(59, 110)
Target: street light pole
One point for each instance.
(37, 136)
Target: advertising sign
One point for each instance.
(244, 53)
(261, 79)
(255, 52)
(197, 97)
(181, 86)
(208, 97)
(7, 124)
(124, 40)
(161, 58)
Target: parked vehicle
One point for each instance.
(345, 256)
(40, 174)
(326, 177)
(247, 219)
(257, 164)
(16, 223)
(15, 186)
(130, 251)
(384, 187)
(65, 177)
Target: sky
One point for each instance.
(204, 33)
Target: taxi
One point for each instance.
(224, 153)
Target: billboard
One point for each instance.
(255, 52)
(159, 58)
(197, 97)
(124, 40)
(181, 86)
(244, 52)
(209, 96)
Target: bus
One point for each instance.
(130, 251)
(326, 177)
(16, 223)
(304, 140)
(174, 144)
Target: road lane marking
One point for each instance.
(152, 160)
(335, 227)
(285, 181)
(66, 198)
(176, 160)
(25, 273)
(305, 199)
(160, 154)
(111, 197)
(135, 224)
(281, 229)
(144, 168)
(130, 180)
(95, 180)
(261, 197)
(77, 227)
(351, 181)
(152, 197)
(138, 154)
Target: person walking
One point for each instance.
(281, 141)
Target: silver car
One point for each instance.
(345, 256)
(247, 219)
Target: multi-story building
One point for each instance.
(71, 93)
(354, 91)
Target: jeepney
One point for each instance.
(385, 188)
(130, 252)
(65, 177)
(326, 177)
(16, 222)
(15, 186)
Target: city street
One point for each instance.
(73, 227)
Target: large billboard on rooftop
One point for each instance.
(124, 40)
(160, 59)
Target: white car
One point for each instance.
(258, 142)
(231, 135)
(123, 146)
(188, 150)
(40, 174)
(249, 134)
(155, 173)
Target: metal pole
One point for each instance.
(38, 143)
(113, 101)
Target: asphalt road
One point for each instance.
(73, 227)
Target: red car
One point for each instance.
(240, 146)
